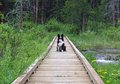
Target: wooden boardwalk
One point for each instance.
(61, 68)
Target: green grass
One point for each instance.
(103, 39)
(110, 73)
(33, 41)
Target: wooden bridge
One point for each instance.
(53, 67)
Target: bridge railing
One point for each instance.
(92, 73)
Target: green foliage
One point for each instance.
(73, 11)
(82, 14)
(4, 37)
(53, 25)
(1, 16)
(69, 28)
(112, 33)
(87, 40)
(27, 25)
(95, 26)
(22, 48)
(104, 37)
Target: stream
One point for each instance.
(107, 55)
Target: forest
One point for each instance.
(28, 26)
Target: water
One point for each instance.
(105, 55)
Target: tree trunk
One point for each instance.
(42, 11)
(84, 22)
(118, 11)
(113, 15)
(33, 10)
(36, 16)
(119, 8)
(21, 16)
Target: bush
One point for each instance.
(53, 26)
(28, 25)
(112, 34)
(95, 26)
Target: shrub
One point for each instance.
(53, 25)
(112, 34)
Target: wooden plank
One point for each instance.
(60, 68)
(60, 65)
(61, 60)
(61, 83)
(61, 73)
(59, 79)
(65, 56)
(61, 57)
(61, 53)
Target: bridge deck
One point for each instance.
(60, 68)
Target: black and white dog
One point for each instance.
(60, 43)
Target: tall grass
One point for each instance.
(33, 41)
(104, 39)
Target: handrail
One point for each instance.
(26, 74)
(92, 73)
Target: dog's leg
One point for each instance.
(57, 48)
(60, 48)
(64, 48)
(57, 44)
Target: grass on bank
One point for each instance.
(110, 73)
